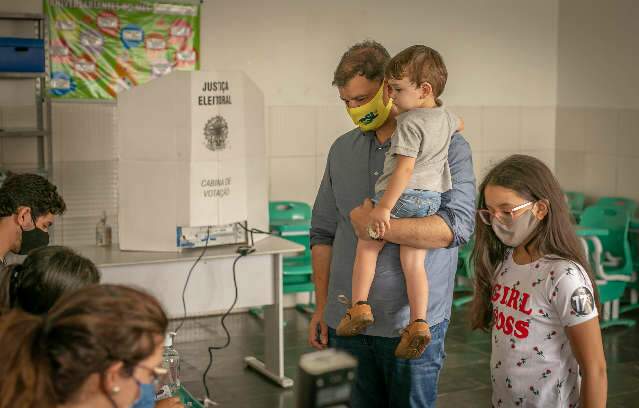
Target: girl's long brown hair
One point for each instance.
(555, 236)
(46, 360)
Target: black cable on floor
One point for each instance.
(188, 277)
(228, 334)
(244, 251)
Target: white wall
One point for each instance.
(598, 56)
(498, 52)
(501, 56)
(598, 97)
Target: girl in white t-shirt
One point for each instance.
(534, 290)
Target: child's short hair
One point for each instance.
(420, 64)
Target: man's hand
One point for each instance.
(359, 219)
(318, 325)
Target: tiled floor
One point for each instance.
(464, 382)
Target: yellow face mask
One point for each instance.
(373, 114)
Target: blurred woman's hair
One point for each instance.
(47, 359)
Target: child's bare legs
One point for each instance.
(416, 336)
(416, 280)
(364, 268)
(359, 315)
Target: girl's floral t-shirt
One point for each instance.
(532, 364)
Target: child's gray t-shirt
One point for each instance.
(425, 135)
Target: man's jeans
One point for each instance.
(386, 381)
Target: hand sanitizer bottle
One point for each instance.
(170, 384)
(103, 232)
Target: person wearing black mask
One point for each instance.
(28, 206)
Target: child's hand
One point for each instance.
(379, 219)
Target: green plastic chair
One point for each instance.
(633, 238)
(292, 220)
(627, 203)
(464, 274)
(630, 206)
(576, 202)
(611, 280)
(289, 212)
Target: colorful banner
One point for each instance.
(99, 48)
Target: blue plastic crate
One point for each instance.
(21, 54)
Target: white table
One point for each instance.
(210, 291)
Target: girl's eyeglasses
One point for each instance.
(505, 217)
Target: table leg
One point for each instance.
(606, 311)
(615, 309)
(585, 245)
(273, 365)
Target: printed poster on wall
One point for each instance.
(99, 48)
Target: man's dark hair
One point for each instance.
(368, 58)
(30, 190)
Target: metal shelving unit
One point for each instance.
(22, 75)
(41, 130)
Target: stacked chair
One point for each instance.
(292, 220)
(630, 206)
(576, 202)
(464, 274)
(611, 257)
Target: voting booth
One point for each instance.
(192, 161)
